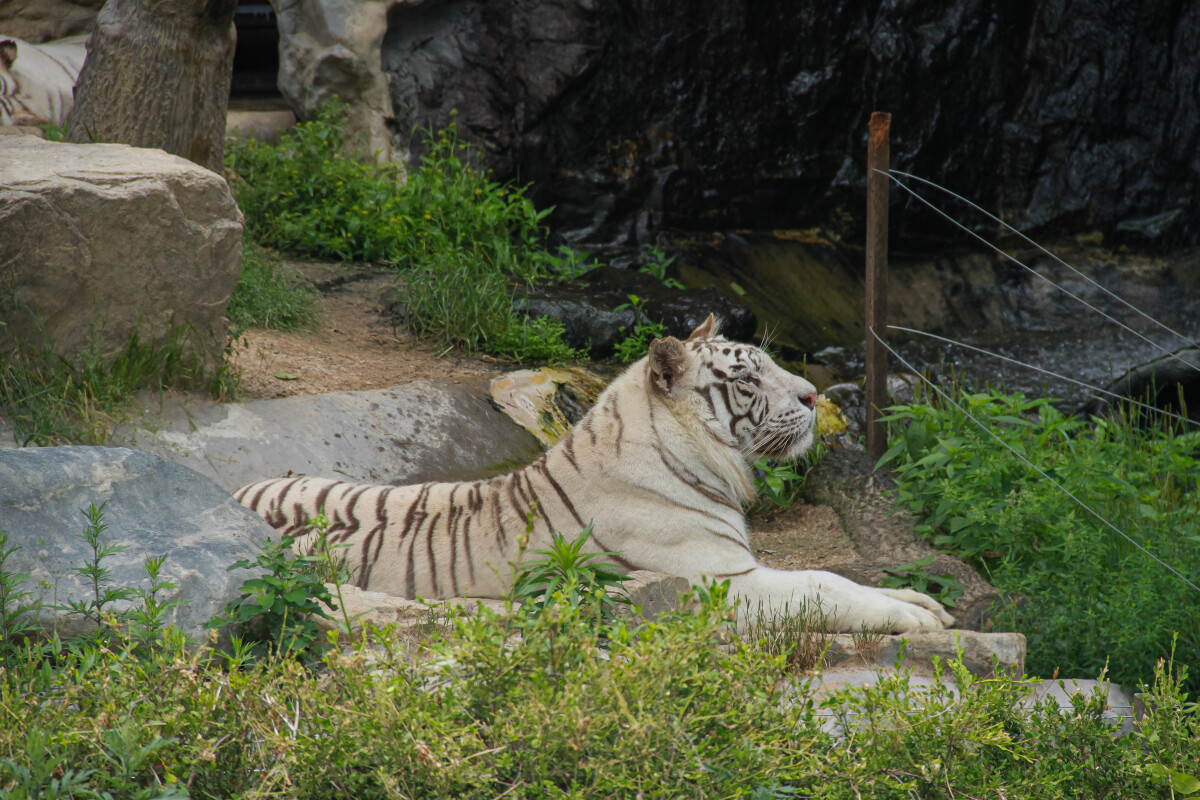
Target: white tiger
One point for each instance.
(661, 466)
(37, 81)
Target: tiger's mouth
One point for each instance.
(786, 442)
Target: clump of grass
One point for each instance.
(1083, 595)
(49, 399)
(267, 296)
(461, 243)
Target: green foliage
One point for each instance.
(661, 713)
(52, 400)
(536, 341)
(94, 572)
(568, 575)
(655, 263)
(1084, 596)
(16, 608)
(635, 345)
(461, 242)
(267, 296)
(54, 133)
(944, 588)
(779, 483)
(306, 193)
(275, 608)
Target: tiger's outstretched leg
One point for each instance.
(846, 605)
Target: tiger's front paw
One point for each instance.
(928, 614)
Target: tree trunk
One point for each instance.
(157, 75)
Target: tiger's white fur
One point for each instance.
(37, 81)
(661, 467)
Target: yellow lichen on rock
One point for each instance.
(830, 420)
(531, 398)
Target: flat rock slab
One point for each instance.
(417, 432)
(1061, 695)
(152, 507)
(983, 654)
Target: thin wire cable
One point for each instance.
(980, 350)
(1030, 269)
(1033, 466)
(1087, 278)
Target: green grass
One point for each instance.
(50, 400)
(461, 243)
(540, 702)
(1084, 596)
(267, 296)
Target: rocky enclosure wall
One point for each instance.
(1069, 114)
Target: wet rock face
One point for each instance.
(637, 115)
(588, 309)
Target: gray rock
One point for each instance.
(103, 240)
(1170, 383)
(627, 118)
(152, 506)
(656, 593)
(983, 654)
(420, 431)
(587, 309)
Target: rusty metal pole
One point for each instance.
(878, 156)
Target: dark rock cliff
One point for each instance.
(634, 114)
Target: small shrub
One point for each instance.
(274, 608)
(635, 345)
(655, 263)
(944, 588)
(568, 575)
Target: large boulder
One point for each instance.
(419, 431)
(42, 20)
(101, 241)
(151, 506)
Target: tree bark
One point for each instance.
(157, 75)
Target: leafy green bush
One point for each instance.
(268, 297)
(276, 607)
(461, 242)
(1083, 595)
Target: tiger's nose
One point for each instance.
(809, 400)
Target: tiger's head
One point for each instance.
(735, 391)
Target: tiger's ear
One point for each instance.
(706, 329)
(665, 362)
(8, 52)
